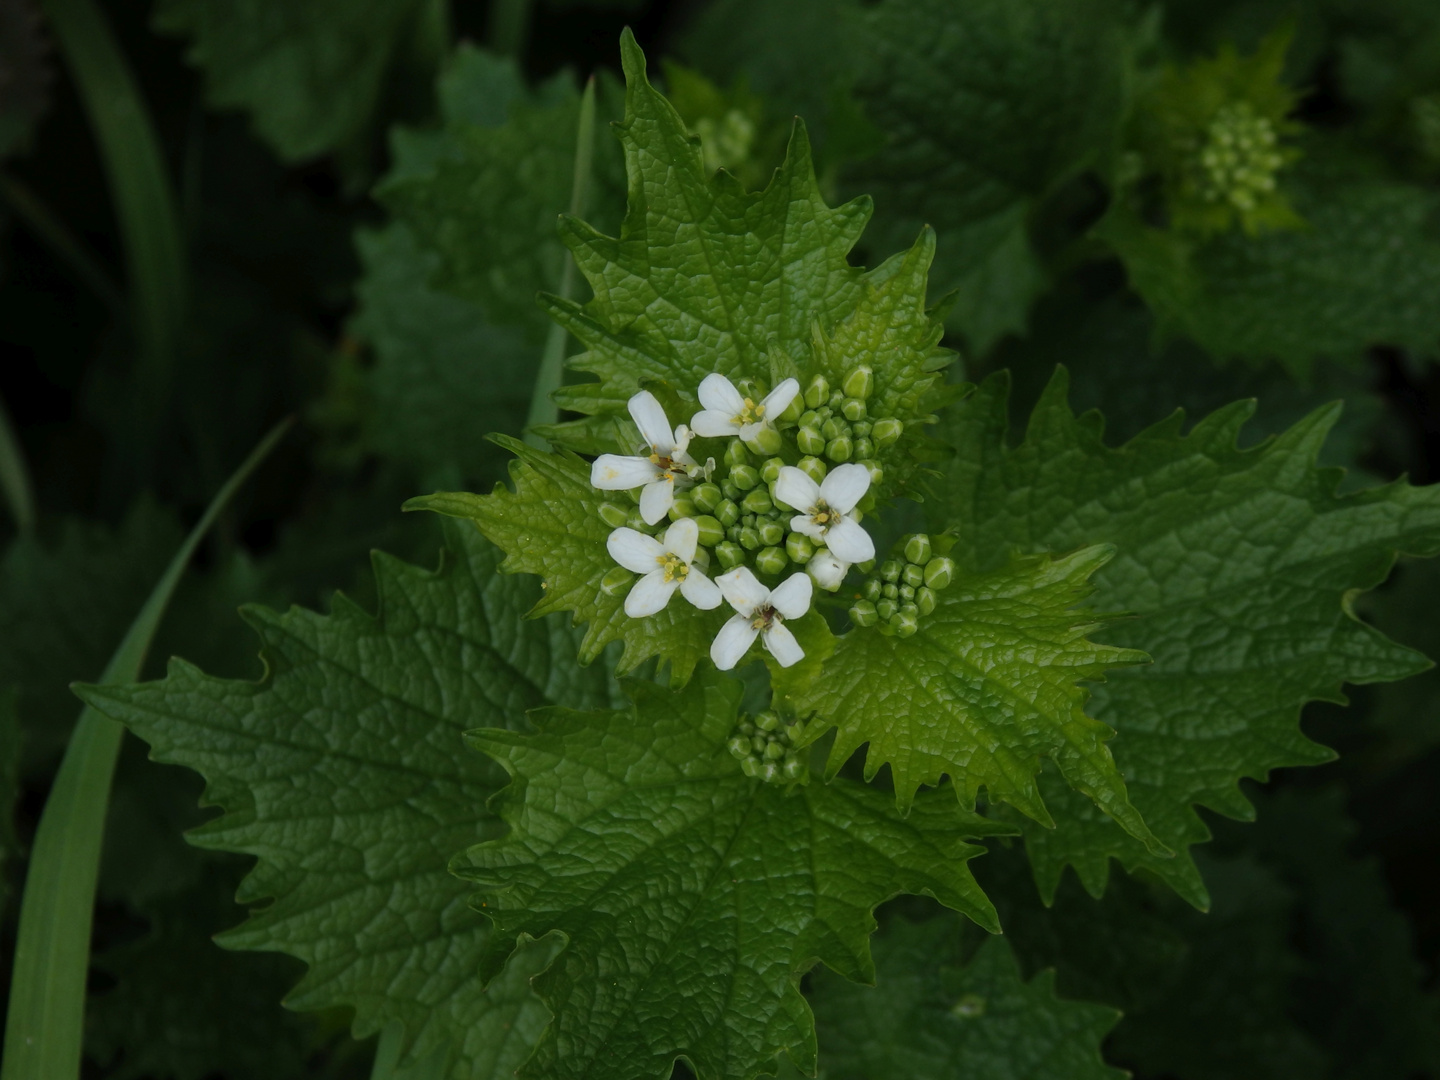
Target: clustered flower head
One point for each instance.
(903, 588)
(766, 748)
(781, 514)
(1239, 159)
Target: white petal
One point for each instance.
(827, 570)
(750, 430)
(844, 486)
(650, 418)
(849, 541)
(682, 537)
(778, 400)
(656, 500)
(683, 435)
(743, 590)
(611, 472)
(806, 526)
(634, 550)
(700, 590)
(795, 488)
(791, 597)
(714, 424)
(782, 645)
(719, 393)
(648, 595)
(732, 642)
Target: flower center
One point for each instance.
(674, 567)
(751, 413)
(664, 464)
(763, 617)
(822, 515)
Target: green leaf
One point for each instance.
(987, 106)
(984, 689)
(1238, 565)
(550, 525)
(308, 74)
(690, 898)
(342, 771)
(930, 1017)
(11, 737)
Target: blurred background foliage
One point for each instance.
(215, 213)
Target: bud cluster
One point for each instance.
(902, 589)
(765, 748)
(1239, 159)
(837, 425)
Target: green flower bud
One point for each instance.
(794, 730)
(728, 513)
(771, 532)
(735, 454)
(864, 448)
(876, 472)
(817, 392)
(917, 549)
(771, 560)
(770, 772)
(749, 538)
(730, 554)
(636, 522)
(769, 720)
(833, 429)
(939, 572)
(909, 609)
(890, 590)
(775, 751)
(765, 440)
(925, 599)
(886, 609)
(810, 440)
(904, 624)
(913, 575)
(770, 471)
(793, 410)
(739, 747)
(747, 729)
(810, 418)
(615, 581)
(757, 502)
(835, 399)
(759, 742)
(839, 450)
(890, 570)
(793, 768)
(852, 408)
(871, 588)
(707, 497)
(747, 519)
(859, 383)
(886, 431)
(711, 531)
(733, 533)
(614, 516)
(731, 490)
(814, 468)
(866, 566)
(799, 547)
(682, 507)
(824, 413)
(750, 767)
(863, 613)
(907, 592)
(861, 430)
(745, 477)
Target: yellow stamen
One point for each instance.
(674, 567)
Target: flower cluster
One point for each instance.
(1240, 157)
(786, 495)
(766, 750)
(903, 589)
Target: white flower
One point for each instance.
(760, 611)
(667, 565)
(657, 472)
(825, 509)
(827, 570)
(727, 412)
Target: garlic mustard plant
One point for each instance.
(658, 473)
(667, 564)
(760, 611)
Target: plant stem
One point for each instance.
(15, 476)
(552, 360)
(43, 222)
(509, 27)
(44, 1030)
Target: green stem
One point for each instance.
(552, 361)
(44, 1030)
(509, 27)
(139, 186)
(29, 208)
(14, 476)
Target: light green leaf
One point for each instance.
(343, 772)
(690, 898)
(931, 1018)
(1238, 565)
(986, 687)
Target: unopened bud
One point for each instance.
(711, 531)
(751, 767)
(817, 393)
(771, 560)
(744, 477)
(768, 720)
(939, 572)
(730, 554)
(904, 623)
(757, 502)
(775, 751)
(736, 454)
(810, 440)
(853, 409)
(793, 768)
(749, 538)
(890, 570)
(886, 431)
(799, 547)
(614, 516)
(925, 600)
(917, 549)
(728, 512)
(682, 507)
(863, 613)
(770, 471)
(859, 383)
(813, 467)
(864, 448)
(707, 497)
(839, 450)
(765, 440)
(871, 589)
(912, 575)
(739, 747)
(615, 581)
(886, 609)
(772, 532)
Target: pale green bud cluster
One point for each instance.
(903, 588)
(725, 143)
(765, 748)
(838, 426)
(1239, 159)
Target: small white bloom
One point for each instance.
(827, 570)
(760, 611)
(658, 472)
(728, 412)
(667, 565)
(825, 509)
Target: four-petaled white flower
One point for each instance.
(825, 509)
(728, 412)
(667, 565)
(760, 611)
(658, 472)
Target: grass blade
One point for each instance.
(45, 1026)
(552, 361)
(15, 476)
